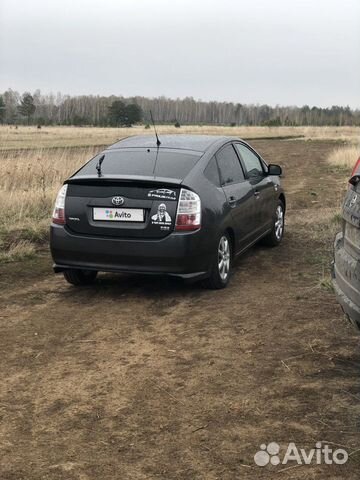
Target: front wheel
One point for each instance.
(80, 277)
(222, 260)
(277, 232)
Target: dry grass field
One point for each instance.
(25, 138)
(344, 156)
(139, 378)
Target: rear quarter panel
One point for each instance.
(215, 211)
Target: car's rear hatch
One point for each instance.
(135, 196)
(148, 207)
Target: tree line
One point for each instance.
(96, 110)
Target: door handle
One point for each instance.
(232, 201)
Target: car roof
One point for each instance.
(199, 143)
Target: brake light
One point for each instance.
(58, 216)
(188, 216)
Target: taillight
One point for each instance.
(59, 209)
(188, 216)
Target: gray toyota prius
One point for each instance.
(184, 205)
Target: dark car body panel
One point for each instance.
(346, 266)
(84, 243)
(241, 199)
(177, 254)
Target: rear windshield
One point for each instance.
(143, 162)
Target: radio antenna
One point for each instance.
(158, 143)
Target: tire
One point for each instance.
(274, 238)
(80, 277)
(221, 264)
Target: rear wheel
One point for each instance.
(80, 277)
(222, 260)
(277, 232)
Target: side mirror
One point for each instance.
(274, 170)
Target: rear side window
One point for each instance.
(251, 161)
(211, 172)
(229, 166)
(163, 163)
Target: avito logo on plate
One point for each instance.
(120, 215)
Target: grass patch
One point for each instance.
(345, 157)
(17, 251)
(326, 284)
(38, 234)
(337, 219)
(28, 189)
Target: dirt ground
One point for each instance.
(148, 378)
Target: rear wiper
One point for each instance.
(98, 166)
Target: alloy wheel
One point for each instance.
(279, 222)
(224, 258)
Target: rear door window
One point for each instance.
(251, 161)
(229, 166)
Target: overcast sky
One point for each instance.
(288, 52)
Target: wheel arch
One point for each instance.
(282, 198)
(231, 234)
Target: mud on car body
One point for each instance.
(346, 265)
(185, 207)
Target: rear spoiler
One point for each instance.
(116, 179)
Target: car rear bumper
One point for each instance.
(346, 275)
(186, 254)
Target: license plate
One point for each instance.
(119, 214)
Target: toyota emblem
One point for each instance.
(118, 201)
